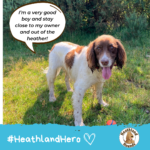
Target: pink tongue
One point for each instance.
(106, 73)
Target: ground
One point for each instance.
(25, 98)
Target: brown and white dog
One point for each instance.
(86, 66)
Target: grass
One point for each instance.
(25, 98)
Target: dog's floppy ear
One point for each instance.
(121, 55)
(91, 56)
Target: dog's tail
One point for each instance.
(45, 71)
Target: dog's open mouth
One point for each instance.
(106, 72)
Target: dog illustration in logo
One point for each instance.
(129, 138)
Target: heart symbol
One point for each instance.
(90, 139)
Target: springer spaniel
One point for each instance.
(86, 66)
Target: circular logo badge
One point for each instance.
(129, 137)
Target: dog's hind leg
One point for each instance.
(51, 75)
(67, 83)
(53, 71)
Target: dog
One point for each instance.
(129, 138)
(86, 66)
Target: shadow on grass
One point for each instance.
(45, 112)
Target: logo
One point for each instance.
(129, 137)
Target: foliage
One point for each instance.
(135, 25)
(100, 16)
(8, 7)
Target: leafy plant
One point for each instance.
(135, 25)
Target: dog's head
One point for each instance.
(104, 52)
(129, 136)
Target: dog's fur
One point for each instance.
(83, 64)
(129, 138)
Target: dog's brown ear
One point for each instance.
(121, 55)
(91, 57)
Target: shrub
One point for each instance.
(134, 26)
(8, 7)
(90, 16)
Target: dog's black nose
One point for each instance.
(131, 136)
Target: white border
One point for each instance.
(1, 63)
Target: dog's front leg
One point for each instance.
(77, 105)
(99, 87)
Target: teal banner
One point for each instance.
(52, 136)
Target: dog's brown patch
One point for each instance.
(69, 59)
(79, 49)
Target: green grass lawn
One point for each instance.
(25, 98)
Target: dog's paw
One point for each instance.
(82, 124)
(70, 90)
(79, 124)
(103, 103)
(52, 99)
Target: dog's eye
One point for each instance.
(98, 48)
(111, 47)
